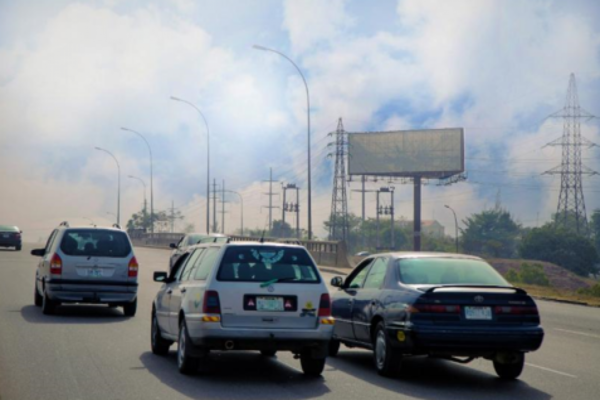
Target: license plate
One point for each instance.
(269, 303)
(478, 313)
(95, 273)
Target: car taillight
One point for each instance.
(17, 236)
(56, 265)
(518, 310)
(325, 306)
(211, 303)
(435, 309)
(132, 268)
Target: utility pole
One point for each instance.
(363, 191)
(571, 203)
(214, 228)
(270, 194)
(388, 211)
(290, 207)
(223, 208)
(338, 228)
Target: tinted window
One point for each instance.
(50, 240)
(178, 265)
(440, 271)
(194, 239)
(357, 281)
(376, 274)
(264, 263)
(192, 263)
(206, 263)
(95, 242)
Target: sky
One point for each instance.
(72, 73)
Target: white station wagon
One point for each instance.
(243, 296)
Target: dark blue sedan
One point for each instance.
(450, 306)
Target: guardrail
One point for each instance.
(327, 253)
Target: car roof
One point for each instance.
(91, 227)
(8, 227)
(417, 254)
(247, 244)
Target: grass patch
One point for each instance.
(552, 293)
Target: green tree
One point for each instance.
(560, 246)
(491, 233)
(282, 229)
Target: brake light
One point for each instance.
(325, 306)
(132, 268)
(435, 309)
(519, 310)
(17, 235)
(212, 305)
(56, 265)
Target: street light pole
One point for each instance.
(207, 161)
(119, 183)
(144, 184)
(242, 205)
(308, 132)
(455, 226)
(151, 180)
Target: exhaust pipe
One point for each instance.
(229, 345)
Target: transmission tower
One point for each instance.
(339, 202)
(571, 203)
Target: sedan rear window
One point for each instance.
(266, 263)
(447, 271)
(95, 242)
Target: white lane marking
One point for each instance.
(578, 333)
(550, 370)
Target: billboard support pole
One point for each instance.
(417, 214)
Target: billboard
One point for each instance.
(429, 153)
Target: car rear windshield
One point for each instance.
(266, 263)
(448, 271)
(95, 242)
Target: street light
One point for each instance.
(455, 226)
(242, 205)
(144, 184)
(151, 180)
(257, 47)
(207, 161)
(119, 183)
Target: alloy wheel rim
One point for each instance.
(181, 347)
(380, 349)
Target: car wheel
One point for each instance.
(185, 362)
(18, 248)
(48, 305)
(268, 353)
(310, 365)
(509, 365)
(38, 300)
(387, 360)
(334, 347)
(160, 346)
(129, 309)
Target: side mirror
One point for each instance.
(38, 252)
(337, 281)
(160, 277)
(173, 246)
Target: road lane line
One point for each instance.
(578, 333)
(551, 370)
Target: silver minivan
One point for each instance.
(86, 265)
(243, 296)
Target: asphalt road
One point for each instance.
(93, 352)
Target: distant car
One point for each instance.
(243, 296)
(192, 239)
(440, 305)
(86, 265)
(362, 254)
(10, 236)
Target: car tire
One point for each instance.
(129, 309)
(48, 305)
(387, 360)
(334, 347)
(185, 362)
(509, 366)
(160, 346)
(268, 353)
(18, 248)
(38, 300)
(311, 366)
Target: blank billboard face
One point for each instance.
(435, 153)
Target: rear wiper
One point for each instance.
(275, 280)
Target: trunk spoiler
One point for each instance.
(516, 289)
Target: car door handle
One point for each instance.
(169, 291)
(183, 290)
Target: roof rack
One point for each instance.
(64, 223)
(117, 226)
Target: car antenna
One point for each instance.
(262, 236)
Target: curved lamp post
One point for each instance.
(119, 183)
(455, 226)
(144, 184)
(151, 180)
(242, 205)
(257, 47)
(207, 161)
